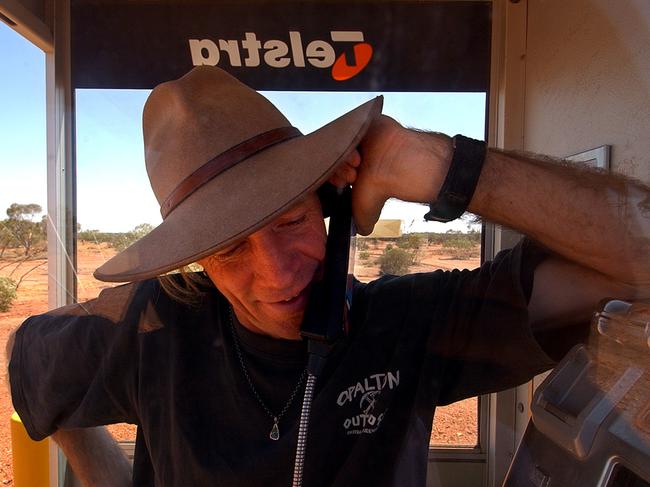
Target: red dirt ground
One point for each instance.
(454, 425)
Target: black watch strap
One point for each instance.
(459, 185)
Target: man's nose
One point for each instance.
(274, 260)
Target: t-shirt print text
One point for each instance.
(366, 394)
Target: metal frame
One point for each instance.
(462, 465)
(498, 425)
(508, 410)
(61, 200)
(502, 416)
(61, 197)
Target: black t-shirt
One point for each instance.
(417, 341)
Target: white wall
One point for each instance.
(587, 80)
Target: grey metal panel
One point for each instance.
(592, 412)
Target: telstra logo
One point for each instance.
(278, 54)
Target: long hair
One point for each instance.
(186, 285)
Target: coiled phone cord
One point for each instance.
(318, 352)
(303, 429)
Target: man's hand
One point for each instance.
(394, 162)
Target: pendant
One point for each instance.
(275, 431)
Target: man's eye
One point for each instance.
(228, 253)
(295, 221)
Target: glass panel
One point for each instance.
(456, 425)
(110, 162)
(455, 245)
(23, 199)
(115, 205)
(403, 242)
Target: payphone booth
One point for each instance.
(449, 66)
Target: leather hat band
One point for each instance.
(223, 161)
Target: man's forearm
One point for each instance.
(598, 220)
(95, 457)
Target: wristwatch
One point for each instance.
(461, 180)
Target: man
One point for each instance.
(213, 378)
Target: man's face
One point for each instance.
(267, 276)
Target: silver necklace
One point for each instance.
(275, 429)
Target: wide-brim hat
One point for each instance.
(223, 162)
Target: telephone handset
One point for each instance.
(326, 315)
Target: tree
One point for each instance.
(141, 230)
(123, 240)
(20, 224)
(7, 239)
(23, 212)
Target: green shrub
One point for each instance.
(119, 241)
(409, 241)
(7, 293)
(395, 261)
(362, 244)
(122, 241)
(458, 242)
(435, 238)
(461, 246)
(364, 255)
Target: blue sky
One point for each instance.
(22, 121)
(113, 192)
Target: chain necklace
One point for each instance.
(275, 430)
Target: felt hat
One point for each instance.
(223, 161)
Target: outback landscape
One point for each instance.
(24, 280)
